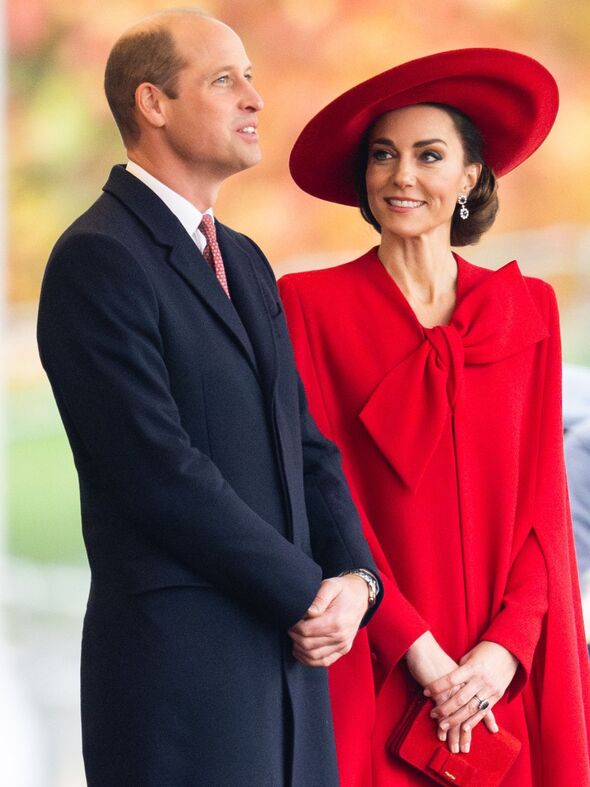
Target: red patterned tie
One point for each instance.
(212, 253)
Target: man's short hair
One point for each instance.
(143, 56)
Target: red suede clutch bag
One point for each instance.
(489, 760)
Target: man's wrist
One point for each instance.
(370, 580)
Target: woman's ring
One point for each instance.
(481, 704)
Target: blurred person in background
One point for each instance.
(164, 340)
(576, 422)
(440, 382)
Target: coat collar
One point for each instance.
(183, 255)
(495, 318)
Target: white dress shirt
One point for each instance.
(186, 213)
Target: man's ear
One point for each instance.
(150, 104)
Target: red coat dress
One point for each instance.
(451, 440)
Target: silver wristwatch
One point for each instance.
(370, 579)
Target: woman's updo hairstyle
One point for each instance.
(482, 202)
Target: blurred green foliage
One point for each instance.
(43, 504)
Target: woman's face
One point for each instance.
(416, 171)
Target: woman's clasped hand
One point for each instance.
(465, 693)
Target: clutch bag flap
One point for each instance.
(415, 741)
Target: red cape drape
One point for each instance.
(451, 440)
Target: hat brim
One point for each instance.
(511, 98)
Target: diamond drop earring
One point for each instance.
(462, 201)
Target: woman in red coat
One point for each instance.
(440, 383)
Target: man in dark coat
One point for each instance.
(215, 515)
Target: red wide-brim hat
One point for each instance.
(511, 98)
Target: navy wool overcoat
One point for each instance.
(211, 505)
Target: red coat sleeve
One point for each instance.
(518, 624)
(397, 624)
(560, 668)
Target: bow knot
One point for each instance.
(449, 355)
(407, 412)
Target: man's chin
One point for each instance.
(253, 157)
(240, 163)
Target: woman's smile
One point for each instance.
(399, 205)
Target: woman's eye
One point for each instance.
(380, 155)
(431, 155)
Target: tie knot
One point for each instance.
(207, 227)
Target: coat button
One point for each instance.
(374, 658)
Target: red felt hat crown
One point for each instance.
(511, 98)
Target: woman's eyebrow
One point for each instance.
(421, 144)
(425, 142)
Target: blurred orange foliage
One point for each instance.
(62, 141)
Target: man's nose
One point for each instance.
(251, 98)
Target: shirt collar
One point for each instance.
(186, 213)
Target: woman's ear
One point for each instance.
(472, 173)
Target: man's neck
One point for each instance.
(197, 189)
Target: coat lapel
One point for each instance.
(255, 302)
(190, 264)
(183, 254)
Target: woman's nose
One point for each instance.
(404, 174)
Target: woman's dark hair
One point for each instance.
(483, 198)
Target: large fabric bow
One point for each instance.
(409, 408)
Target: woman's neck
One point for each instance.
(425, 271)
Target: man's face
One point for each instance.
(211, 127)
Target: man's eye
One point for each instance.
(222, 80)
